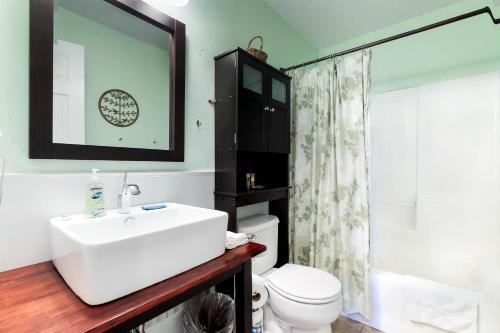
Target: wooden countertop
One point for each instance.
(36, 298)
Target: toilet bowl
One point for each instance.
(301, 299)
(304, 299)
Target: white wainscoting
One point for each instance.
(31, 199)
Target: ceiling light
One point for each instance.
(164, 4)
(177, 3)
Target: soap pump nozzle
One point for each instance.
(94, 177)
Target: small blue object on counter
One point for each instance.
(154, 206)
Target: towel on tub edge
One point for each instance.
(440, 305)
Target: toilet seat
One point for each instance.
(305, 285)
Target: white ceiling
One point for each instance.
(327, 22)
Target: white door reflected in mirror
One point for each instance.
(69, 93)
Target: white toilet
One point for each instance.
(301, 299)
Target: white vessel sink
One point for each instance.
(102, 259)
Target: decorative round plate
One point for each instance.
(118, 108)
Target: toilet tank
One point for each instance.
(262, 229)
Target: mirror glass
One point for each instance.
(111, 77)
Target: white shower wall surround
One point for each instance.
(31, 199)
(435, 194)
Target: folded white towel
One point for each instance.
(440, 305)
(234, 240)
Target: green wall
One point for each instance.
(464, 48)
(213, 26)
(114, 60)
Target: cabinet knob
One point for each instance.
(266, 108)
(272, 109)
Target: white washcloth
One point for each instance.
(440, 305)
(234, 240)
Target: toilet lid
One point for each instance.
(305, 284)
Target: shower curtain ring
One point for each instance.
(364, 48)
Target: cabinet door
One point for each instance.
(252, 127)
(252, 79)
(278, 119)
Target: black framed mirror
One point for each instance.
(107, 81)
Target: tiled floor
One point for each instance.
(346, 325)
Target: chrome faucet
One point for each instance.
(124, 197)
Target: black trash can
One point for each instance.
(211, 313)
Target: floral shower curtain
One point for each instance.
(329, 221)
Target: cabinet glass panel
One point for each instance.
(279, 91)
(252, 79)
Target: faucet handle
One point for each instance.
(134, 189)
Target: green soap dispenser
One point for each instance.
(95, 197)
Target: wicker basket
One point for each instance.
(259, 54)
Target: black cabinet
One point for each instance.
(252, 135)
(261, 103)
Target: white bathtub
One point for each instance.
(389, 309)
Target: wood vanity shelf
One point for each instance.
(252, 135)
(36, 298)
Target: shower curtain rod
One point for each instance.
(485, 10)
